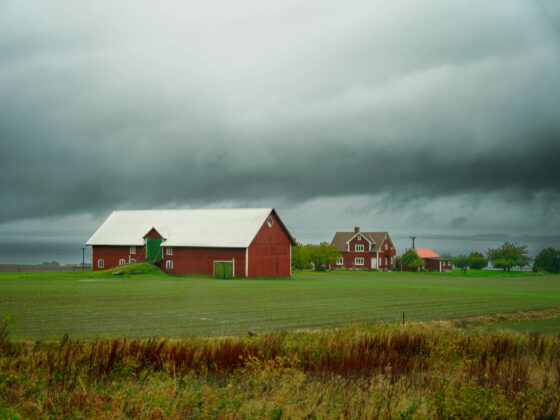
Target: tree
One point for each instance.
(319, 256)
(410, 259)
(462, 262)
(51, 263)
(477, 261)
(548, 260)
(323, 255)
(300, 256)
(510, 254)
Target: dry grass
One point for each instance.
(375, 371)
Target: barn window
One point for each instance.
(339, 261)
(169, 251)
(133, 261)
(359, 261)
(133, 250)
(270, 221)
(169, 265)
(100, 263)
(386, 246)
(359, 238)
(359, 248)
(122, 261)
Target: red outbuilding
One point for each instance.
(224, 242)
(432, 261)
(364, 250)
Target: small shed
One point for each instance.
(433, 261)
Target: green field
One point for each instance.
(46, 306)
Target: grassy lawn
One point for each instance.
(45, 306)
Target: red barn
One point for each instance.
(365, 250)
(433, 261)
(223, 242)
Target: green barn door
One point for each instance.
(153, 249)
(223, 269)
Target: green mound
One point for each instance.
(125, 271)
(132, 270)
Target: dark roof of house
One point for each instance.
(376, 238)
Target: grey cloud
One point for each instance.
(136, 106)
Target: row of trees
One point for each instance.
(319, 256)
(507, 256)
(474, 260)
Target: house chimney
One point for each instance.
(356, 229)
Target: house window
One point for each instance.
(133, 261)
(359, 238)
(270, 221)
(133, 250)
(100, 263)
(386, 247)
(359, 248)
(169, 251)
(339, 261)
(359, 261)
(169, 265)
(122, 261)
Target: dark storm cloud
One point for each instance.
(137, 106)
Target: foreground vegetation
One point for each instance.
(89, 305)
(417, 371)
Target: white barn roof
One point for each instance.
(224, 228)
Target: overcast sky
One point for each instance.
(424, 116)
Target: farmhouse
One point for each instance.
(366, 250)
(223, 242)
(433, 261)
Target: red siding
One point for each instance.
(433, 265)
(201, 260)
(269, 253)
(112, 254)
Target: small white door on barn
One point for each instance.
(374, 263)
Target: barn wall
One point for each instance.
(269, 253)
(112, 254)
(187, 260)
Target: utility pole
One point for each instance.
(83, 259)
(413, 239)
